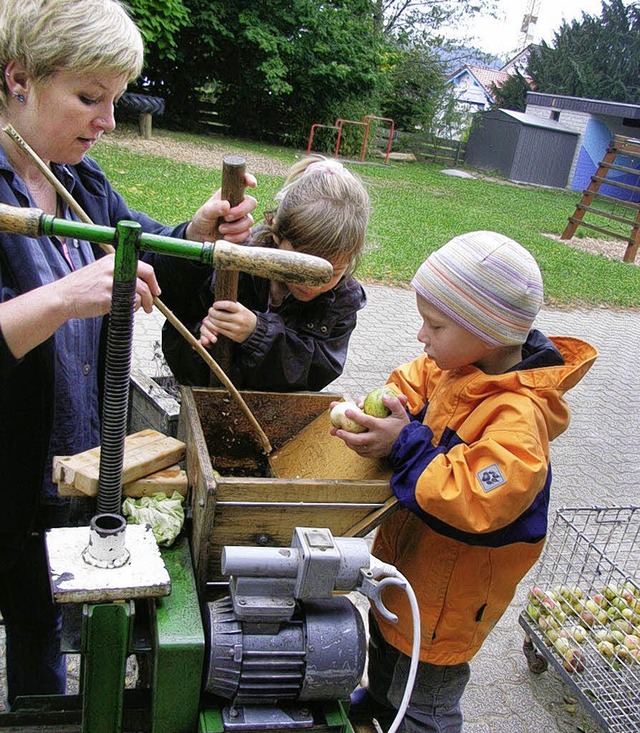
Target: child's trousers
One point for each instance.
(435, 702)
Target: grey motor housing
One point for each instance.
(319, 654)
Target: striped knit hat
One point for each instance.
(486, 283)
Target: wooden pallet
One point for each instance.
(629, 147)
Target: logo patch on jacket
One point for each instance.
(490, 478)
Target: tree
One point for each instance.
(414, 18)
(159, 21)
(278, 65)
(596, 57)
(512, 94)
(414, 83)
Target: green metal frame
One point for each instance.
(179, 648)
(105, 644)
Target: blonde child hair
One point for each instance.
(48, 36)
(323, 210)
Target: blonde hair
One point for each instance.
(48, 36)
(323, 210)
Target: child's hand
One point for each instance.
(381, 433)
(229, 318)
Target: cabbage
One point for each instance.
(164, 514)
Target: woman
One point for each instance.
(65, 64)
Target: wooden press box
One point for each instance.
(235, 497)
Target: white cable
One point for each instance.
(379, 569)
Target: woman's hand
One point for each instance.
(87, 292)
(230, 319)
(237, 220)
(381, 433)
(29, 319)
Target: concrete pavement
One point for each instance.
(595, 464)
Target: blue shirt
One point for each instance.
(49, 400)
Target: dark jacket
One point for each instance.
(298, 346)
(27, 385)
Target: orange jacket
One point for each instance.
(472, 473)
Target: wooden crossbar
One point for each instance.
(608, 215)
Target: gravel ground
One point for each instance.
(613, 249)
(209, 154)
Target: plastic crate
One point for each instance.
(587, 592)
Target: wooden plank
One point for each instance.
(607, 215)
(259, 490)
(621, 168)
(371, 521)
(166, 481)
(618, 202)
(601, 230)
(615, 184)
(314, 453)
(145, 452)
(628, 145)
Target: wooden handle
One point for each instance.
(226, 288)
(276, 264)
(18, 220)
(371, 521)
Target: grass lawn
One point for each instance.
(416, 209)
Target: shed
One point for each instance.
(596, 121)
(522, 147)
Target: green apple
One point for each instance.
(373, 404)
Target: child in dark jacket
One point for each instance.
(288, 336)
(468, 441)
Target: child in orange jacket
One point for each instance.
(468, 440)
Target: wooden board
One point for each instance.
(166, 481)
(314, 453)
(145, 452)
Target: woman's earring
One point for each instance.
(19, 97)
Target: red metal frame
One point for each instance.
(312, 131)
(366, 123)
(368, 119)
(340, 124)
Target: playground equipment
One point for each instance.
(364, 123)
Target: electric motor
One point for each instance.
(319, 654)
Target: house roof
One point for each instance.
(582, 104)
(487, 76)
(532, 120)
(484, 76)
(521, 59)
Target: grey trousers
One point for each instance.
(435, 702)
